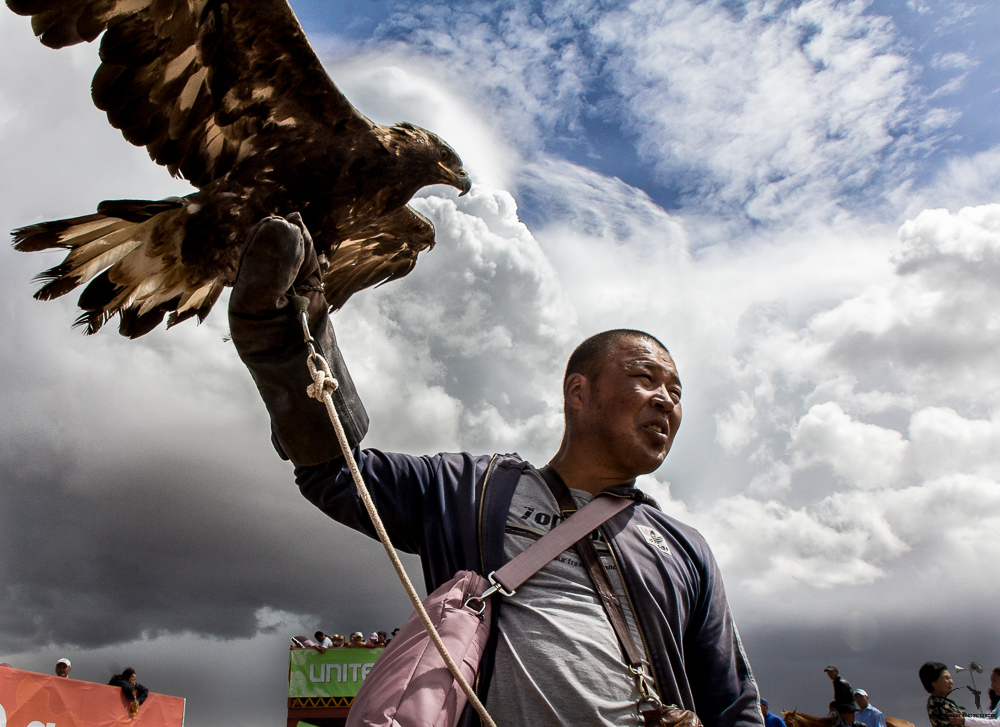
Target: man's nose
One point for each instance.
(663, 401)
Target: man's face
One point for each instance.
(848, 717)
(62, 670)
(833, 674)
(634, 407)
(861, 700)
(764, 709)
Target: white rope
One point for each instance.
(322, 388)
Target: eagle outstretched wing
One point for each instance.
(377, 254)
(229, 95)
(200, 83)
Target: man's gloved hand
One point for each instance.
(672, 716)
(267, 332)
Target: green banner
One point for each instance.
(334, 673)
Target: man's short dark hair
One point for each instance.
(929, 673)
(589, 356)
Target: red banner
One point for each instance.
(28, 699)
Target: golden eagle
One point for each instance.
(229, 95)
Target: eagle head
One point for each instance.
(426, 157)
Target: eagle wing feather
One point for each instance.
(376, 254)
(200, 83)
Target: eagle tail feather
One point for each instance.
(127, 258)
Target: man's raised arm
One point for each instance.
(279, 261)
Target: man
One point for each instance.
(552, 656)
(63, 667)
(770, 720)
(843, 694)
(323, 640)
(867, 714)
(134, 692)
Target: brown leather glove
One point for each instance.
(279, 261)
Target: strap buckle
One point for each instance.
(648, 700)
(497, 587)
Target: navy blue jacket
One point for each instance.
(451, 510)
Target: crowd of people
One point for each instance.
(942, 711)
(377, 640)
(852, 706)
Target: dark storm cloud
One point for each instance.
(151, 545)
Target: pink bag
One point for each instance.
(410, 684)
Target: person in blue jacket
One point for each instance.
(552, 657)
(770, 719)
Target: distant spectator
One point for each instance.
(63, 667)
(382, 640)
(392, 635)
(134, 692)
(938, 682)
(994, 719)
(323, 640)
(843, 694)
(338, 640)
(356, 640)
(770, 720)
(867, 714)
(372, 641)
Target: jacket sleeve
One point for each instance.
(723, 686)
(400, 485)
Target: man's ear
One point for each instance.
(576, 392)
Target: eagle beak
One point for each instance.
(459, 181)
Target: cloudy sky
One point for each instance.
(801, 198)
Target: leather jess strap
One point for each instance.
(650, 708)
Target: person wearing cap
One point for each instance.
(770, 720)
(867, 714)
(63, 667)
(356, 640)
(843, 694)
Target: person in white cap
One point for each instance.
(62, 667)
(867, 714)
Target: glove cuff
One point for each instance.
(272, 347)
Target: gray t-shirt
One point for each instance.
(558, 660)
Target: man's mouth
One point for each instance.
(660, 429)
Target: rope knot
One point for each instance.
(324, 383)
